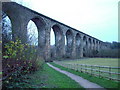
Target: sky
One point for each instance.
(97, 18)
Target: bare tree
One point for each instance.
(32, 34)
(6, 28)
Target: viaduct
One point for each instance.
(78, 45)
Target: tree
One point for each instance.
(6, 28)
(32, 33)
(115, 45)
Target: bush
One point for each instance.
(14, 50)
(20, 59)
(39, 62)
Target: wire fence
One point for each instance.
(111, 73)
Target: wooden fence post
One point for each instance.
(81, 67)
(110, 73)
(77, 67)
(91, 69)
(99, 71)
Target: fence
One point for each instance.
(111, 73)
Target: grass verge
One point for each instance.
(55, 79)
(47, 78)
(100, 81)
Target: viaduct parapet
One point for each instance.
(78, 44)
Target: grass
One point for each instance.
(113, 62)
(0, 72)
(59, 80)
(100, 81)
(49, 78)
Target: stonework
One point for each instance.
(78, 45)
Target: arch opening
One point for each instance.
(38, 34)
(85, 43)
(6, 28)
(40, 24)
(78, 42)
(84, 40)
(57, 33)
(69, 38)
(69, 42)
(78, 39)
(93, 44)
(52, 37)
(32, 33)
(90, 40)
(55, 40)
(89, 44)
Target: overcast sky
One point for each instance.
(98, 18)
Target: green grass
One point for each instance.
(100, 81)
(50, 78)
(112, 62)
(95, 61)
(0, 72)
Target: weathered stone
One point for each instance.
(78, 45)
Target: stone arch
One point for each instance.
(41, 27)
(78, 37)
(16, 19)
(40, 23)
(97, 46)
(89, 47)
(85, 44)
(89, 40)
(84, 39)
(58, 33)
(69, 46)
(93, 44)
(95, 51)
(78, 44)
(90, 43)
(56, 49)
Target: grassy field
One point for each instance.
(95, 61)
(100, 81)
(47, 78)
(112, 62)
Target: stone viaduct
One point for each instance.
(78, 45)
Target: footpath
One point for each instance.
(83, 82)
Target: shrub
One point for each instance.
(39, 62)
(14, 50)
(20, 59)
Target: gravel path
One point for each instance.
(83, 82)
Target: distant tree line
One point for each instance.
(112, 51)
(115, 45)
